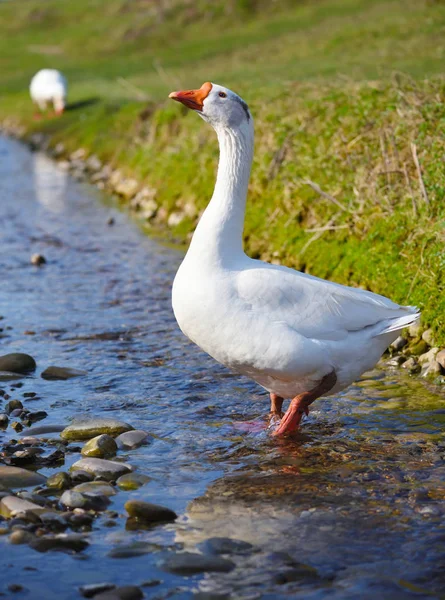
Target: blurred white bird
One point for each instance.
(298, 336)
(49, 86)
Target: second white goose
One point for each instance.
(298, 336)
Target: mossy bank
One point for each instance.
(348, 179)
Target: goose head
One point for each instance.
(217, 105)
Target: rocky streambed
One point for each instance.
(125, 467)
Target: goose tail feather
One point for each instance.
(401, 322)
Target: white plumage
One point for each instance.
(49, 86)
(292, 333)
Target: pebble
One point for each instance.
(148, 512)
(63, 542)
(132, 550)
(10, 506)
(31, 417)
(221, 545)
(4, 420)
(428, 356)
(61, 373)
(15, 587)
(54, 521)
(15, 477)
(433, 369)
(188, 563)
(85, 429)
(20, 536)
(59, 481)
(100, 446)
(131, 439)
(107, 469)
(399, 343)
(38, 260)
(415, 330)
(428, 337)
(132, 481)
(17, 362)
(440, 357)
(82, 519)
(127, 187)
(92, 589)
(75, 499)
(94, 488)
(13, 405)
(81, 476)
(412, 365)
(300, 572)
(17, 426)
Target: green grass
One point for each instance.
(340, 91)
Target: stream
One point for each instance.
(350, 508)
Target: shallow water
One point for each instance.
(356, 497)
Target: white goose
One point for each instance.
(49, 86)
(298, 336)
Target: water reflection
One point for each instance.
(49, 183)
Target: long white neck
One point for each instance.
(218, 237)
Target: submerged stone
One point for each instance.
(85, 429)
(44, 429)
(125, 592)
(61, 542)
(132, 481)
(15, 477)
(221, 545)
(9, 376)
(132, 439)
(91, 590)
(17, 362)
(188, 563)
(61, 373)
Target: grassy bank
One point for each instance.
(349, 178)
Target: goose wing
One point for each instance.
(317, 309)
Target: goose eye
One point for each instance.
(222, 95)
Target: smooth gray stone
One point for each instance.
(15, 477)
(73, 499)
(132, 439)
(99, 467)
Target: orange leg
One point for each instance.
(300, 405)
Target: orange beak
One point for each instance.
(193, 98)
